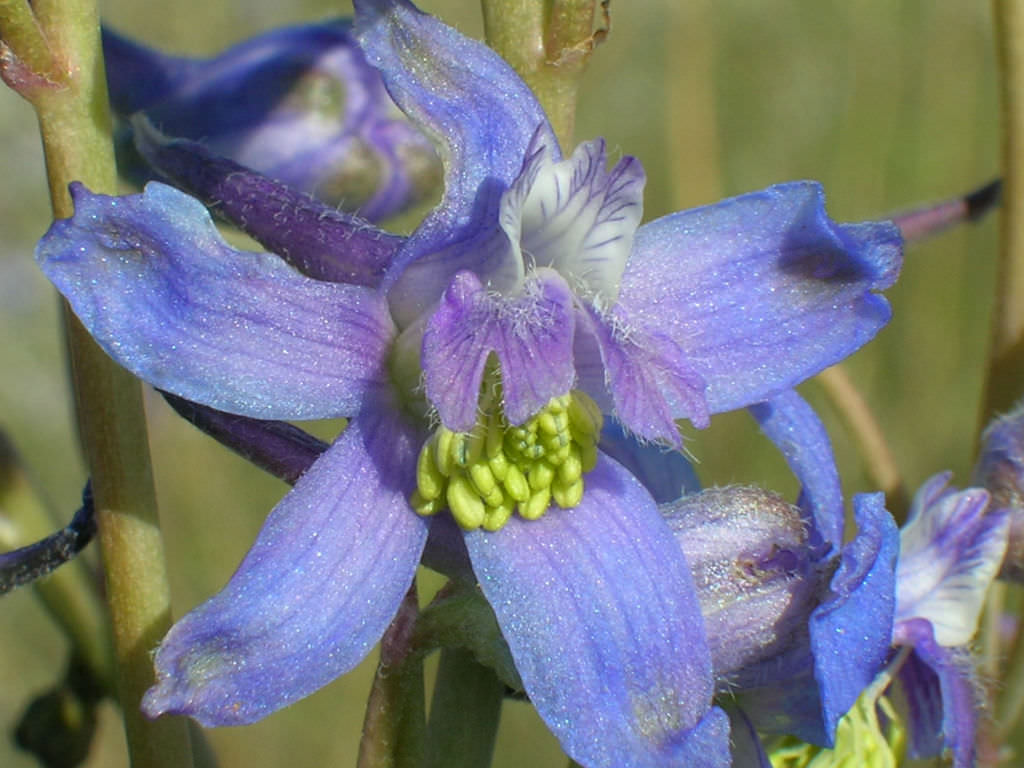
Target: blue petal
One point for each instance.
(313, 595)
(666, 474)
(950, 551)
(165, 296)
(138, 76)
(602, 619)
(851, 631)
(469, 101)
(531, 335)
(940, 695)
(795, 428)
(761, 291)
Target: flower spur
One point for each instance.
(530, 283)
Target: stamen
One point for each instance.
(495, 469)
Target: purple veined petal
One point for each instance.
(577, 217)
(666, 474)
(316, 239)
(761, 291)
(531, 335)
(602, 619)
(165, 296)
(951, 549)
(940, 696)
(851, 630)
(790, 423)
(647, 378)
(315, 592)
(480, 113)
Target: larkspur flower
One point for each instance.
(300, 104)
(474, 360)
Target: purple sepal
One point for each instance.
(851, 631)
(530, 334)
(277, 447)
(760, 291)
(138, 76)
(315, 593)
(156, 285)
(666, 474)
(602, 619)
(316, 239)
(465, 97)
(789, 422)
(940, 695)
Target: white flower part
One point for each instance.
(950, 550)
(576, 216)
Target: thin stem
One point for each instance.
(75, 126)
(1006, 357)
(861, 422)
(548, 42)
(395, 711)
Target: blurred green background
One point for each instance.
(888, 103)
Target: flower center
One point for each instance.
(495, 469)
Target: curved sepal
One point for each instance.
(315, 593)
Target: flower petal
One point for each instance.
(577, 217)
(602, 619)
(313, 595)
(646, 376)
(951, 549)
(851, 631)
(795, 428)
(531, 336)
(761, 291)
(666, 474)
(138, 76)
(316, 239)
(165, 296)
(937, 684)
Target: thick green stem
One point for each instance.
(1005, 375)
(548, 42)
(75, 124)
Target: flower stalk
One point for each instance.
(75, 127)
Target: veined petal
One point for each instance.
(951, 549)
(646, 376)
(165, 296)
(666, 474)
(577, 217)
(795, 428)
(760, 291)
(313, 595)
(603, 622)
(851, 630)
(531, 335)
(937, 684)
(479, 112)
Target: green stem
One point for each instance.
(548, 42)
(464, 713)
(395, 711)
(1006, 357)
(75, 125)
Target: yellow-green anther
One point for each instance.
(535, 508)
(515, 483)
(495, 469)
(429, 480)
(541, 475)
(466, 505)
(567, 495)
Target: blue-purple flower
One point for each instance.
(300, 104)
(474, 360)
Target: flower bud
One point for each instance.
(1000, 470)
(755, 573)
(299, 104)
